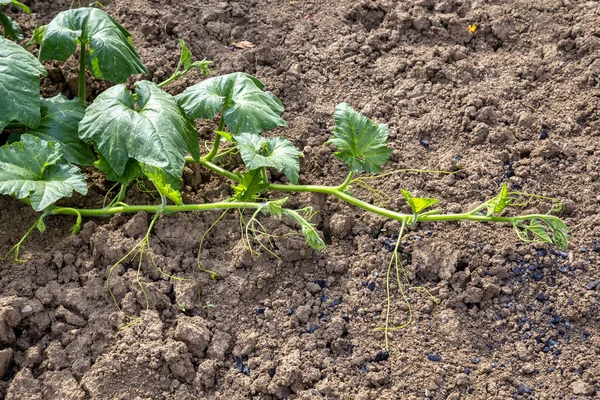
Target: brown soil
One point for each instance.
(514, 321)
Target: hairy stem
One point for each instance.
(108, 211)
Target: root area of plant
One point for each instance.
(514, 99)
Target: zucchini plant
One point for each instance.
(146, 133)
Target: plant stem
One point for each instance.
(215, 149)
(81, 90)
(347, 182)
(108, 211)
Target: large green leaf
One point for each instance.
(35, 168)
(277, 153)
(11, 28)
(19, 85)
(111, 55)
(59, 123)
(240, 97)
(156, 132)
(361, 144)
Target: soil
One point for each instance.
(516, 101)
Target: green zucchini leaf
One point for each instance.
(418, 204)
(362, 145)
(240, 97)
(36, 169)
(110, 56)
(277, 153)
(154, 131)
(19, 85)
(59, 123)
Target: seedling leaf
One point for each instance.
(19, 85)
(418, 204)
(11, 28)
(276, 153)
(158, 134)
(111, 55)
(276, 206)
(35, 168)
(36, 36)
(59, 123)
(250, 187)
(499, 203)
(166, 185)
(361, 143)
(240, 97)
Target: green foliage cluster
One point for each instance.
(149, 134)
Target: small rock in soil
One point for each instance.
(336, 302)
(582, 388)
(434, 357)
(476, 360)
(371, 286)
(542, 252)
(538, 276)
(239, 363)
(523, 389)
(324, 299)
(382, 356)
(271, 372)
(321, 283)
(246, 370)
(260, 310)
(592, 285)
(543, 134)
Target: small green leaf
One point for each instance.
(418, 204)
(11, 28)
(186, 55)
(41, 225)
(560, 232)
(276, 206)
(19, 85)
(361, 144)
(59, 123)
(276, 153)
(499, 203)
(36, 36)
(111, 55)
(245, 107)
(250, 187)
(35, 168)
(226, 135)
(166, 185)
(154, 133)
(132, 170)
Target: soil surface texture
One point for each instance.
(514, 99)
